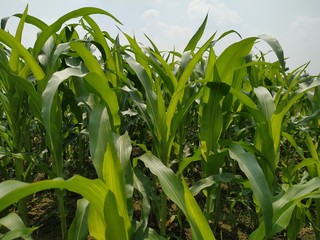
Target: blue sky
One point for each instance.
(169, 23)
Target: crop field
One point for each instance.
(101, 139)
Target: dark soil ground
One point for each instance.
(43, 213)
(235, 223)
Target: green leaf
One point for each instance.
(79, 225)
(33, 20)
(211, 119)
(230, 57)
(52, 29)
(147, 191)
(101, 199)
(293, 142)
(29, 88)
(172, 108)
(284, 206)
(16, 227)
(196, 37)
(98, 82)
(88, 58)
(285, 105)
(14, 57)
(266, 101)
(52, 116)
(99, 85)
(9, 40)
(100, 38)
(164, 70)
(250, 166)
(112, 171)
(180, 194)
(97, 227)
(98, 140)
(18, 233)
(202, 184)
(139, 55)
(152, 112)
(124, 149)
(275, 45)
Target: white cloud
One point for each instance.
(166, 36)
(303, 24)
(303, 42)
(150, 13)
(304, 30)
(218, 10)
(174, 30)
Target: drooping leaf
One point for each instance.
(275, 45)
(249, 165)
(181, 195)
(53, 28)
(16, 227)
(9, 40)
(284, 206)
(229, 58)
(101, 199)
(52, 116)
(266, 101)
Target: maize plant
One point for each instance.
(143, 143)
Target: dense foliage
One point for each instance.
(151, 139)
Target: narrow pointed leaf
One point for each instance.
(14, 57)
(79, 225)
(182, 82)
(196, 37)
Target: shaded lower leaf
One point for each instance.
(250, 166)
(95, 191)
(79, 226)
(180, 194)
(284, 206)
(16, 227)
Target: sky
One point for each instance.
(171, 23)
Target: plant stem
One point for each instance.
(316, 229)
(60, 197)
(163, 196)
(163, 214)
(22, 204)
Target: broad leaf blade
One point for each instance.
(9, 40)
(266, 101)
(249, 165)
(181, 195)
(275, 45)
(230, 57)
